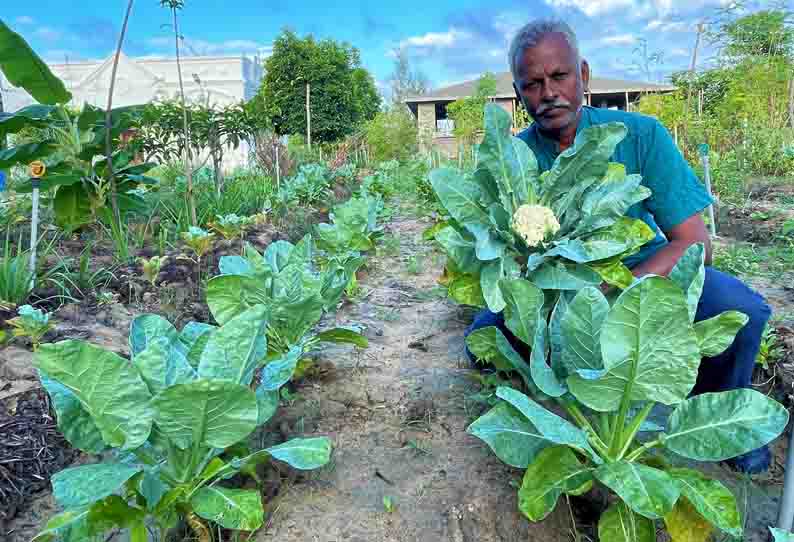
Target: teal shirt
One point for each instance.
(647, 150)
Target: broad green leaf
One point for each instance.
(556, 341)
(581, 332)
(649, 492)
(508, 159)
(151, 487)
(25, 69)
(22, 155)
(430, 233)
(163, 364)
(235, 350)
(780, 535)
(194, 331)
(542, 374)
(602, 395)
(509, 434)
(553, 428)
(279, 371)
(33, 116)
(716, 334)
(483, 344)
(555, 471)
(609, 200)
(71, 206)
(147, 328)
(523, 301)
(620, 524)
(684, 524)
(464, 288)
(516, 362)
(490, 276)
(690, 276)
(718, 426)
(214, 413)
(108, 387)
(230, 295)
(459, 196)
(647, 339)
(458, 248)
(299, 453)
(555, 275)
(267, 403)
(487, 245)
(235, 265)
(614, 272)
(239, 509)
(114, 512)
(68, 526)
(86, 484)
(343, 336)
(712, 500)
(74, 421)
(624, 236)
(277, 255)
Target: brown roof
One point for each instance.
(504, 88)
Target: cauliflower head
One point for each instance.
(534, 223)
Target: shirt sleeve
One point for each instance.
(676, 192)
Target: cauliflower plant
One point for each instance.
(534, 223)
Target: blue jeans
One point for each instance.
(721, 292)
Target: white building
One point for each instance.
(216, 80)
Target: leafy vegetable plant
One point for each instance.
(232, 226)
(151, 267)
(536, 247)
(31, 323)
(175, 418)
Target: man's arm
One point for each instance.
(680, 237)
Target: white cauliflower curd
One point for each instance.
(534, 222)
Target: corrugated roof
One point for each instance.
(504, 88)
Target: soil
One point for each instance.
(396, 413)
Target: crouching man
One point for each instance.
(550, 79)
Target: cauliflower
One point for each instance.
(534, 222)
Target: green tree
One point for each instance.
(391, 135)
(467, 113)
(766, 33)
(343, 94)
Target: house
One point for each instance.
(430, 110)
(215, 80)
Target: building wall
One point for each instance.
(426, 122)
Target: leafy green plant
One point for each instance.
(354, 226)
(151, 267)
(738, 259)
(287, 280)
(200, 242)
(310, 186)
(388, 504)
(79, 281)
(15, 275)
(232, 226)
(176, 418)
(771, 350)
(31, 323)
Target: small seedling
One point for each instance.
(232, 226)
(770, 350)
(105, 298)
(200, 242)
(151, 267)
(31, 323)
(388, 504)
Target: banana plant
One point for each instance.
(172, 423)
(607, 367)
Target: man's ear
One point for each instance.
(585, 75)
(518, 96)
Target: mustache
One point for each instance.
(553, 105)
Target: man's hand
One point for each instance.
(681, 237)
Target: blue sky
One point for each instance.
(449, 41)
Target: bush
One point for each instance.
(392, 135)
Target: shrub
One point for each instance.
(392, 135)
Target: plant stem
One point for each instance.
(186, 128)
(583, 422)
(604, 426)
(625, 404)
(636, 454)
(634, 428)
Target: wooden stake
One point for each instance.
(308, 116)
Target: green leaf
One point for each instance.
(614, 272)
(542, 374)
(147, 328)
(458, 248)
(711, 499)
(108, 387)
(214, 413)
(72, 206)
(649, 492)
(231, 295)
(609, 200)
(194, 337)
(235, 350)
(279, 371)
(22, 155)
(277, 255)
(523, 302)
(235, 265)
(690, 276)
(32, 116)
(239, 509)
(68, 526)
(151, 488)
(781, 536)
(487, 246)
(459, 196)
(267, 402)
(463, 288)
(508, 159)
(581, 332)
(718, 426)
(86, 484)
(74, 421)
(303, 453)
(490, 276)
(624, 236)
(556, 275)
(509, 434)
(343, 336)
(23, 68)
(483, 344)
(684, 524)
(555, 471)
(716, 334)
(163, 364)
(620, 524)
(553, 428)
(556, 342)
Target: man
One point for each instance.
(550, 79)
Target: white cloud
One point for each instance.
(49, 34)
(24, 19)
(660, 25)
(591, 7)
(435, 39)
(620, 39)
(203, 47)
(639, 8)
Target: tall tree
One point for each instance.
(406, 81)
(343, 94)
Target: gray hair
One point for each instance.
(531, 34)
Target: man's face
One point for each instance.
(549, 83)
